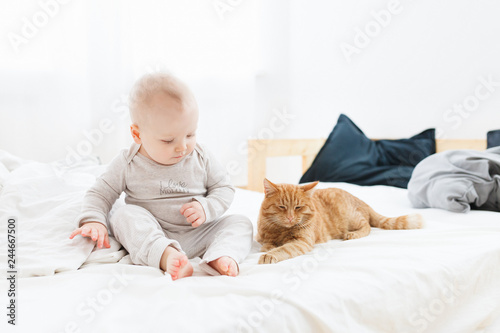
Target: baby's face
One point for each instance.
(169, 133)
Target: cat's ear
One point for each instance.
(308, 187)
(269, 188)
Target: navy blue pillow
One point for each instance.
(349, 156)
(493, 139)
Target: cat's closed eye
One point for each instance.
(281, 207)
(298, 207)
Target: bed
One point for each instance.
(442, 278)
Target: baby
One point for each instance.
(176, 192)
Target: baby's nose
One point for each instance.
(182, 147)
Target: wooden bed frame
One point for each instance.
(260, 150)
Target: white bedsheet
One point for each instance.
(443, 278)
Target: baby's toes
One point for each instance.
(232, 268)
(173, 268)
(183, 261)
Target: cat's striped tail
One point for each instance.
(411, 221)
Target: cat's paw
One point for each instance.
(267, 258)
(351, 235)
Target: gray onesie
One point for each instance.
(151, 219)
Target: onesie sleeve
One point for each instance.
(107, 188)
(220, 192)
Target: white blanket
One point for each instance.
(443, 278)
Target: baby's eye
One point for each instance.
(191, 135)
(167, 141)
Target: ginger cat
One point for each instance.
(295, 217)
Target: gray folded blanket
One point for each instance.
(457, 180)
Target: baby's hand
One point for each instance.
(194, 213)
(95, 230)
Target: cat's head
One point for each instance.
(287, 205)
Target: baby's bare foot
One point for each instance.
(225, 266)
(175, 263)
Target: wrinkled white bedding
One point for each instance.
(443, 278)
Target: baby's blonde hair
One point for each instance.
(151, 84)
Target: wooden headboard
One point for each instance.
(260, 150)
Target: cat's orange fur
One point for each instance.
(295, 217)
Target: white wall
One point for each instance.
(259, 68)
(428, 57)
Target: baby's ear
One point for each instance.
(269, 188)
(136, 135)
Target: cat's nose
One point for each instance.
(290, 218)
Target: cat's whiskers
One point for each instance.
(304, 225)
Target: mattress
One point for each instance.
(442, 278)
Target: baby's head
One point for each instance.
(164, 117)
